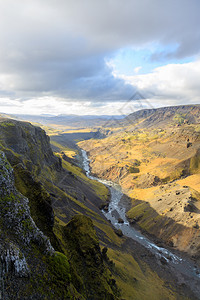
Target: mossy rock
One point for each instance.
(39, 202)
(87, 260)
(81, 230)
(59, 266)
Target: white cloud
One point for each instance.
(55, 106)
(58, 48)
(170, 84)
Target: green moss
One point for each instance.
(58, 266)
(90, 275)
(27, 225)
(136, 280)
(7, 124)
(83, 232)
(39, 202)
(50, 278)
(179, 118)
(39, 199)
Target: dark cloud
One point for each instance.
(59, 48)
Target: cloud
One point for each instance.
(60, 48)
(170, 84)
(55, 106)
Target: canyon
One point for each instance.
(80, 242)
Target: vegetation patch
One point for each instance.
(59, 266)
(86, 260)
(179, 118)
(136, 280)
(133, 169)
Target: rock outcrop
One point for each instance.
(85, 254)
(23, 142)
(15, 212)
(19, 235)
(13, 261)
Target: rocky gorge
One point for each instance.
(57, 243)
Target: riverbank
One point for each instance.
(184, 271)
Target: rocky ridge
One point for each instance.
(164, 116)
(18, 230)
(15, 211)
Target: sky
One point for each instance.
(90, 57)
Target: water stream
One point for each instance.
(185, 267)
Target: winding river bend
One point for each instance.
(185, 267)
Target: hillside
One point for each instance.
(154, 156)
(163, 116)
(55, 243)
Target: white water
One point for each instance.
(116, 210)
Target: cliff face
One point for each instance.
(18, 231)
(22, 141)
(28, 150)
(30, 267)
(15, 212)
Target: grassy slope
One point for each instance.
(137, 281)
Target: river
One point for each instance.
(185, 267)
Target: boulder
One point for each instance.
(120, 221)
(118, 232)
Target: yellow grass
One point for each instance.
(192, 181)
(79, 130)
(143, 194)
(159, 166)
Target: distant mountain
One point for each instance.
(68, 120)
